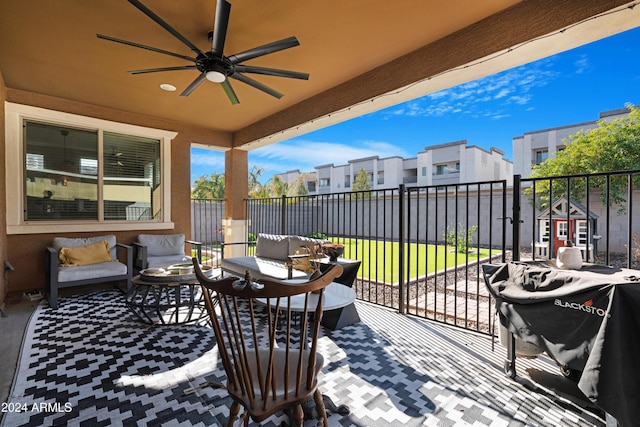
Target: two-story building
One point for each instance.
(535, 147)
(450, 163)
(456, 162)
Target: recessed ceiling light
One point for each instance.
(167, 87)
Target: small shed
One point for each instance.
(565, 219)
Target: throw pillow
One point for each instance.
(86, 255)
(302, 260)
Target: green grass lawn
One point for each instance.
(424, 259)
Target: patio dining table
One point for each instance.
(336, 296)
(587, 320)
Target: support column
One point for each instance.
(236, 188)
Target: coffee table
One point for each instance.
(335, 295)
(167, 298)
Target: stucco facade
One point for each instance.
(443, 164)
(536, 146)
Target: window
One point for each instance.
(380, 178)
(71, 173)
(540, 156)
(324, 182)
(35, 161)
(458, 166)
(64, 183)
(544, 231)
(581, 237)
(57, 187)
(440, 169)
(561, 232)
(131, 178)
(424, 171)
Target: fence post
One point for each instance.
(401, 241)
(283, 214)
(516, 217)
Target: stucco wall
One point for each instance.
(3, 203)
(27, 252)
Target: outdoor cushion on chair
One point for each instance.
(162, 250)
(85, 260)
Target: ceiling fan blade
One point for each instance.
(141, 46)
(264, 49)
(231, 94)
(223, 10)
(271, 72)
(154, 70)
(144, 9)
(194, 84)
(256, 84)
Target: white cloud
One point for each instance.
(300, 154)
(211, 158)
(478, 98)
(582, 65)
(305, 155)
(502, 93)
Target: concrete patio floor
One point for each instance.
(387, 380)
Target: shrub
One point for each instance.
(318, 235)
(462, 240)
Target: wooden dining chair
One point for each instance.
(270, 360)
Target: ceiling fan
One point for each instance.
(116, 155)
(213, 65)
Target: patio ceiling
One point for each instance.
(355, 51)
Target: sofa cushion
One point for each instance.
(93, 271)
(260, 268)
(273, 246)
(162, 244)
(86, 255)
(72, 242)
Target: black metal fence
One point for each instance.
(421, 247)
(594, 211)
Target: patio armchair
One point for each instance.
(162, 250)
(83, 261)
(270, 361)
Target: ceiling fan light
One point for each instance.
(168, 87)
(216, 76)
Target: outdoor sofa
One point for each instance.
(272, 253)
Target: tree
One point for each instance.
(361, 181)
(256, 189)
(298, 186)
(208, 188)
(612, 146)
(276, 187)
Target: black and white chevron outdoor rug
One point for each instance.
(92, 363)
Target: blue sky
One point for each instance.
(570, 87)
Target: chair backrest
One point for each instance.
(73, 242)
(268, 350)
(163, 244)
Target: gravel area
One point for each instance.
(478, 309)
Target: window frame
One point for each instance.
(538, 153)
(17, 114)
